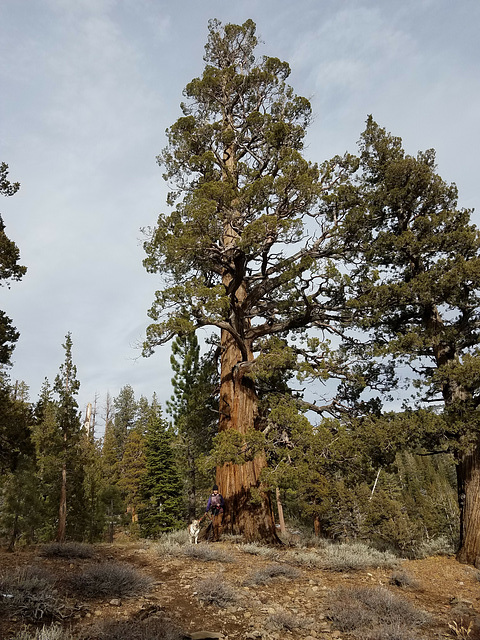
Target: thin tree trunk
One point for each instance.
(62, 512)
(317, 527)
(192, 489)
(110, 524)
(15, 533)
(281, 519)
(468, 479)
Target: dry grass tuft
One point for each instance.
(214, 590)
(284, 621)
(206, 553)
(374, 613)
(403, 579)
(30, 594)
(260, 550)
(110, 580)
(272, 571)
(52, 632)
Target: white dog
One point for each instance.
(193, 531)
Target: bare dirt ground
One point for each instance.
(449, 591)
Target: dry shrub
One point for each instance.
(354, 557)
(260, 550)
(30, 594)
(67, 550)
(272, 571)
(435, 547)
(53, 632)
(155, 628)
(214, 590)
(110, 580)
(309, 559)
(169, 548)
(371, 613)
(284, 621)
(180, 537)
(206, 553)
(403, 579)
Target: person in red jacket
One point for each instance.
(216, 505)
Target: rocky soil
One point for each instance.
(287, 606)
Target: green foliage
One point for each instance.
(9, 252)
(419, 282)
(161, 486)
(233, 248)
(232, 446)
(22, 507)
(193, 408)
(16, 416)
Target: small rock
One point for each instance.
(201, 635)
(97, 613)
(115, 602)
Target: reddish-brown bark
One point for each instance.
(248, 508)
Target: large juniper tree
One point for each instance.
(419, 293)
(246, 248)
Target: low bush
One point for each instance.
(272, 571)
(369, 612)
(155, 628)
(180, 537)
(67, 550)
(110, 580)
(356, 556)
(403, 579)
(214, 590)
(169, 548)
(206, 553)
(30, 594)
(435, 547)
(343, 557)
(260, 550)
(284, 621)
(53, 632)
(309, 559)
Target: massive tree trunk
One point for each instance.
(468, 479)
(248, 507)
(468, 461)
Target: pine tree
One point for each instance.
(193, 408)
(124, 419)
(69, 425)
(162, 489)
(133, 469)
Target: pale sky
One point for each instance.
(88, 88)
